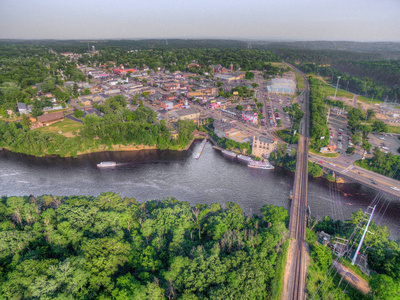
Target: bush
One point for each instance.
(330, 178)
(314, 170)
(311, 236)
(350, 150)
(78, 114)
(287, 136)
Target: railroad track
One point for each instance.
(297, 227)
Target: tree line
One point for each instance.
(119, 126)
(181, 59)
(319, 135)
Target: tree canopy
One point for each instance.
(116, 248)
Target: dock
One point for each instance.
(202, 145)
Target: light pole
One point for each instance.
(337, 86)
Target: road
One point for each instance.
(297, 267)
(71, 117)
(358, 174)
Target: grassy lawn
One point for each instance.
(276, 64)
(368, 100)
(393, 129)
(300, 81)
(330, 91)
(67, 127)
(334, 155)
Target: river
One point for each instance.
(152, 174)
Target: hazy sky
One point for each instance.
(358, 20)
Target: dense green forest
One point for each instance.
(383, 259)
(108, 247)
(386, 72)
(119, 126)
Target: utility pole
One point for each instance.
(362, 238)
(337, 84)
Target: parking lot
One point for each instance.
(278, 102)
(338, 124)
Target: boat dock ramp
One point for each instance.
(198, 154)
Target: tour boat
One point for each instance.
(260, 165)
(106, 164)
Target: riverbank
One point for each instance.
(114, 148)
(123, 148)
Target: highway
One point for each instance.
(358, 174)
(296, 283)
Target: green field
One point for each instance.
(368, 100)
(333, 155)
(67, 127)
(300, 81)
(277, 64)
(330, 91)
(393, 129)
(327, 90)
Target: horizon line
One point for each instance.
(257, 39)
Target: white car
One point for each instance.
(395, 188)
(382, 138)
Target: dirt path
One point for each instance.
(355, 101)
(287, 271)
(354, 279)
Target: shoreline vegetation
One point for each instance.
(120, 129)
(115, 148)
(116, 248)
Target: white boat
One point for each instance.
(229, 153)
(106, 164)
(260, 165)
(244, 158)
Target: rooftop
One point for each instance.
(187, 111)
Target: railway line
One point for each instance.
(296, 283)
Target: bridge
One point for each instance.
(357, 174)
(295, 285)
